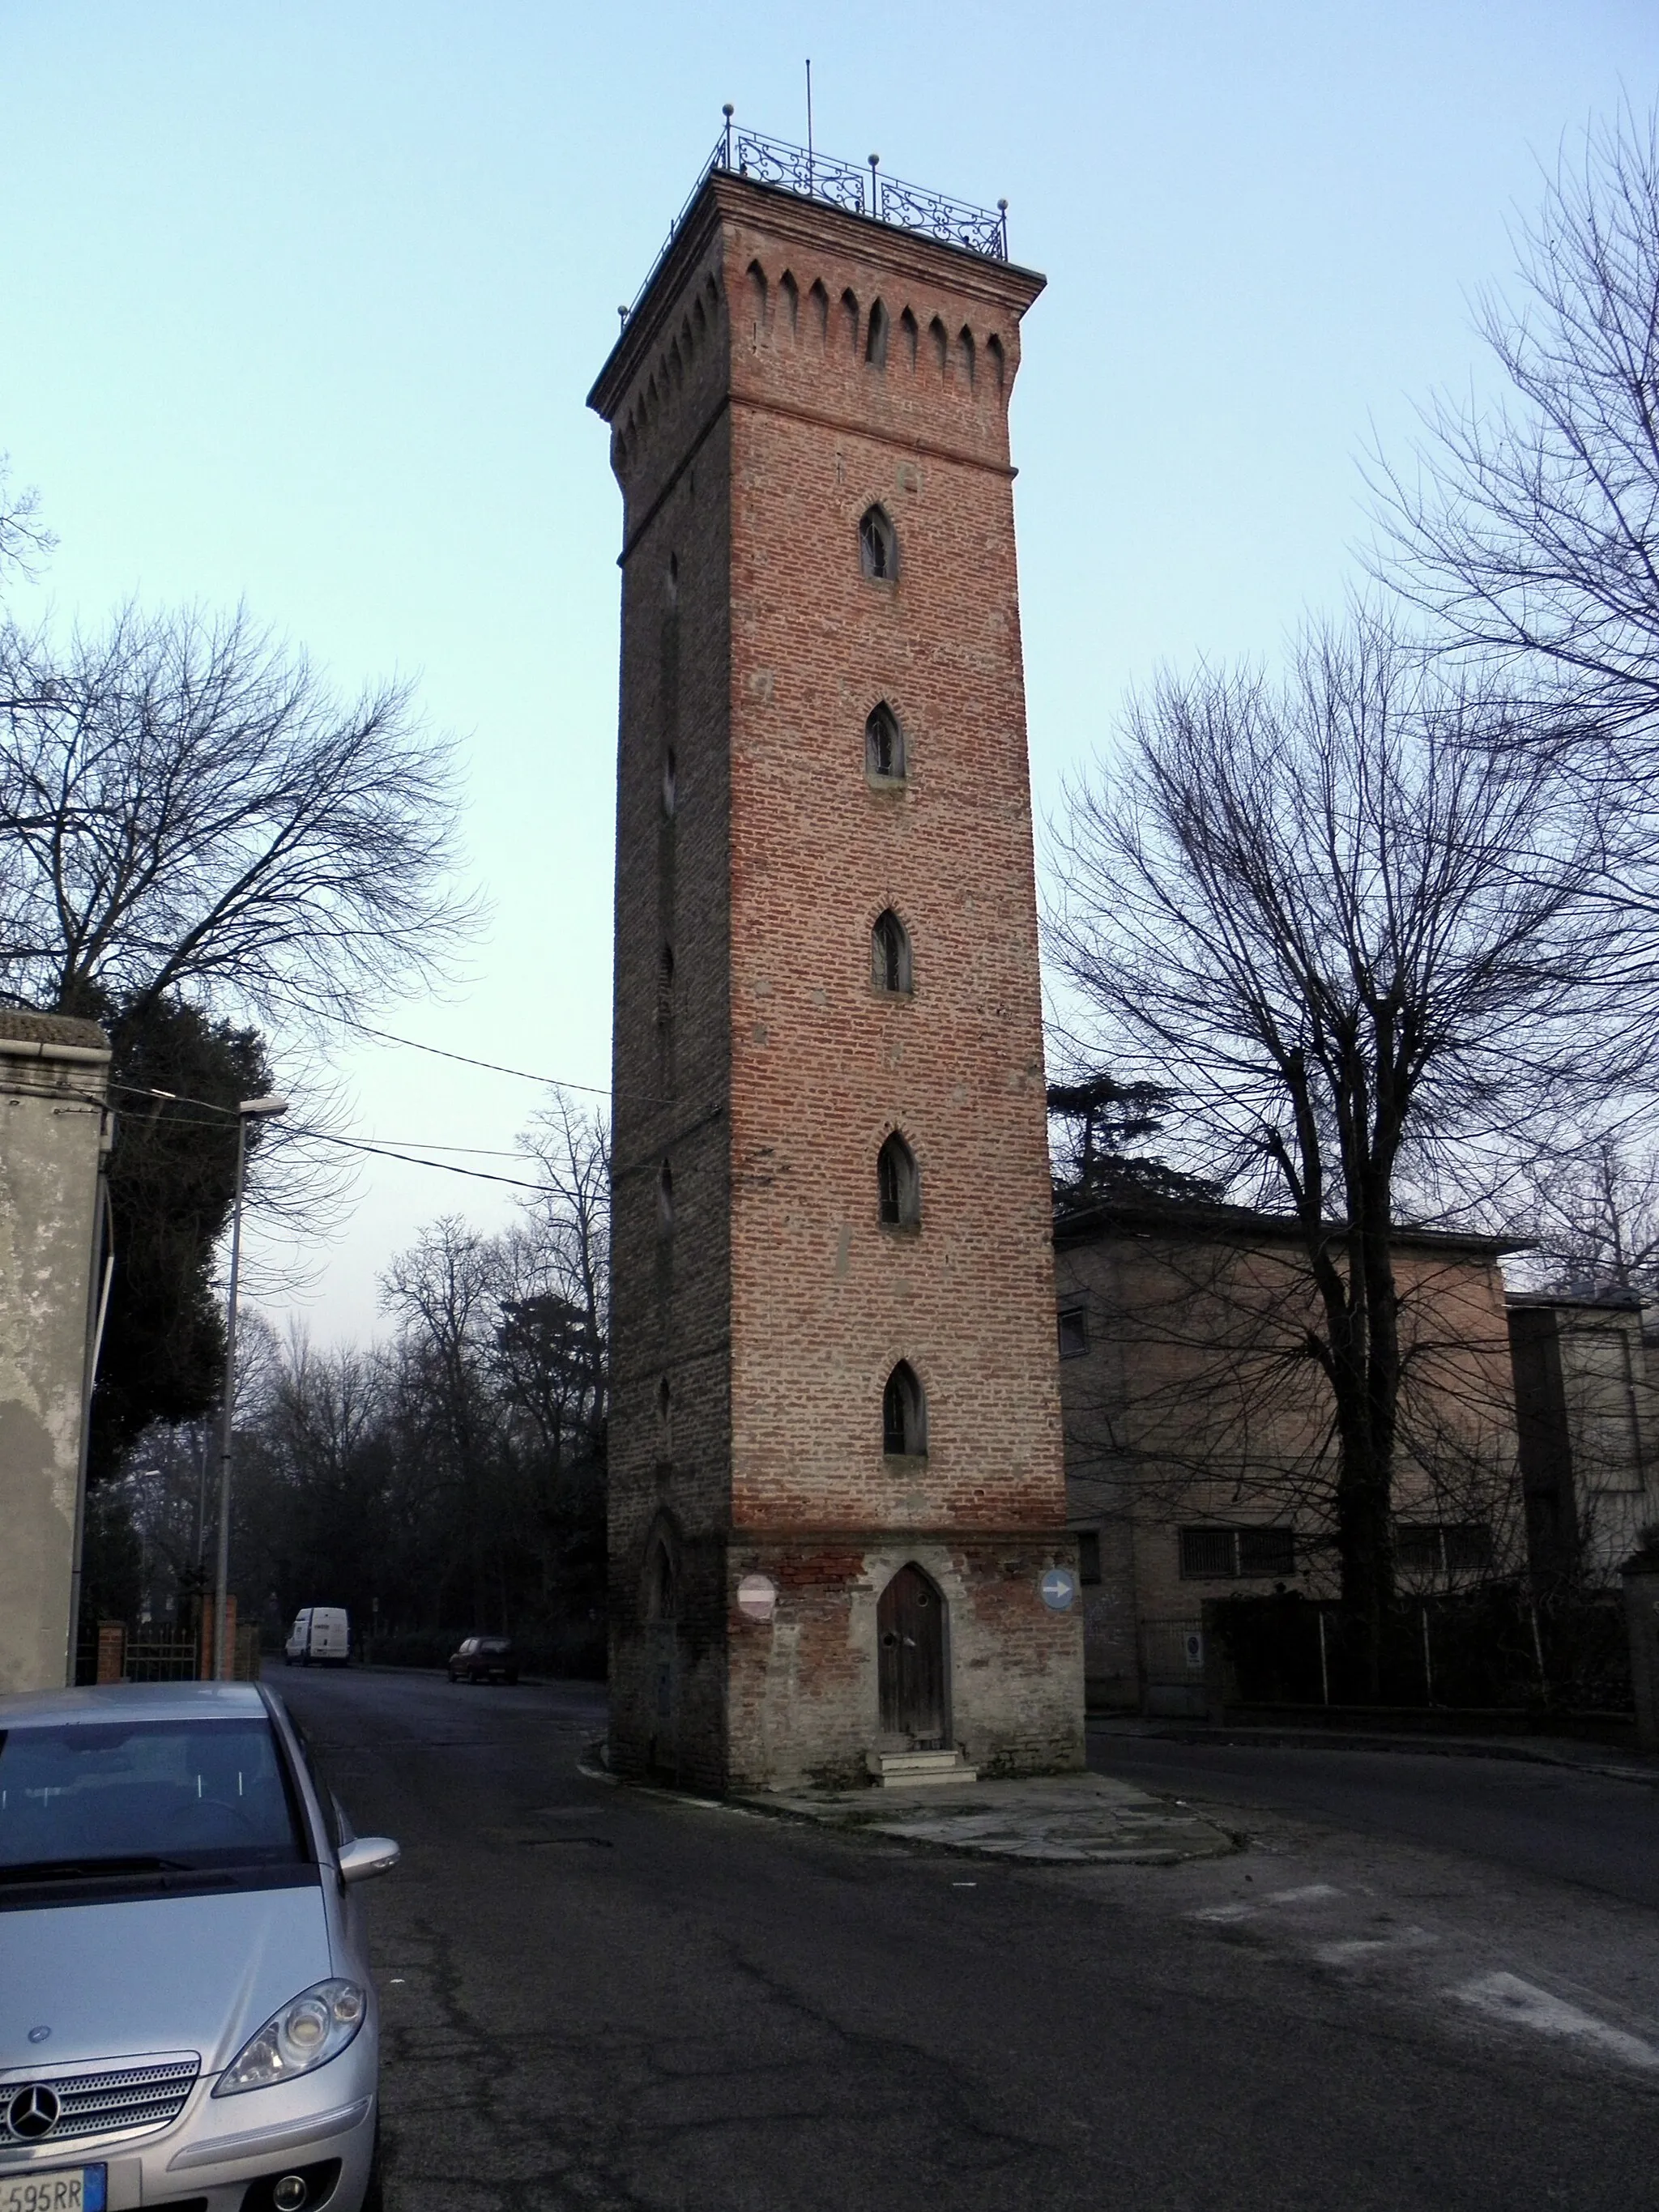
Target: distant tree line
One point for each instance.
(450, 1479)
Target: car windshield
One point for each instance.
(182, 1796)
(492, 1644)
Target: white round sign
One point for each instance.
(758, 1597)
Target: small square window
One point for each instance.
(1468, 1547)
(1267, 1550)
(1208, 1554)
(1417, 1547)
(1074, 1332)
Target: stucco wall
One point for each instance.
(1193, 1403)
(51, 1114)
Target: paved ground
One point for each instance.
(1060, 1820)
(1558, 1822)
(601, 1999)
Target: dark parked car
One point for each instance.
(484, 1659)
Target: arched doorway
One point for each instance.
(910, 1663)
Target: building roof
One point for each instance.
(1608, 1301)
(32, 1028)
(1189, 1224)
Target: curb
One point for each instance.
(871, 1826)
(1271, 1739)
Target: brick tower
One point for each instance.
(837, 1499)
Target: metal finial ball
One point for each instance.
(729, 111)
(622, 314)
(1003, 206)
(874, 158)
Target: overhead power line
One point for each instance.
(214, 1116)
(495, 1067)
(387, 1152)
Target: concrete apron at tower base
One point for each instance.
(791, 1698)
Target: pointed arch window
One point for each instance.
(875, 343)
(884, 745)
(877, 544)
(904, 1414)
(666, 1199)
(898, 1185)
(889, 954)
(662, 1594)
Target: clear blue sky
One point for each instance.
(303, 299)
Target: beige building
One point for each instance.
(1588, 1413)
(53, 1076)
(1199, 1453)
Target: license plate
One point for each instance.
(67, 2189)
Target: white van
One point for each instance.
(320, 1636)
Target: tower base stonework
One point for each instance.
(837, 1513)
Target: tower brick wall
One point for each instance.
(790, 368)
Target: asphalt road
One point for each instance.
(601, 1998)
(1554, 1822)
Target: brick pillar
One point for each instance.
(1642, 1620)
(111, 1651)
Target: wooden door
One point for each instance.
(910, 1640)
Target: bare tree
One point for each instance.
(1529, 529)
(25, 541)
(553, 1343)
(441, 1293)
(1592, 1218)
(186, 808)
(1345, 924)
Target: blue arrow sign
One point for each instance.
(1059, 1588)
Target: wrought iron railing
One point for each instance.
(855, 188)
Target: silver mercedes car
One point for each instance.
(187, 2019)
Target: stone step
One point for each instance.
(913, 1770)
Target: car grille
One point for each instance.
(100, 2102)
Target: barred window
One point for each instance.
(1267, 1552)
(1208, 1554)
(1211, 1554)
(1438, 1547)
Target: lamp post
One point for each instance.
(250, 1109)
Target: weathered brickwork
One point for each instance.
(789, 368)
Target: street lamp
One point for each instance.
(250, 1109)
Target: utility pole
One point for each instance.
(250, 1109)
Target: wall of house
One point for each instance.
(788, 1062)
(1589, 1411)
(1195, 1404)
(51, 1113)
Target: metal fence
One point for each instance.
(1497, 1648)
(161, 1656)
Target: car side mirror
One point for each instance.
(365, 1856)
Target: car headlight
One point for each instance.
(310, 2030)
